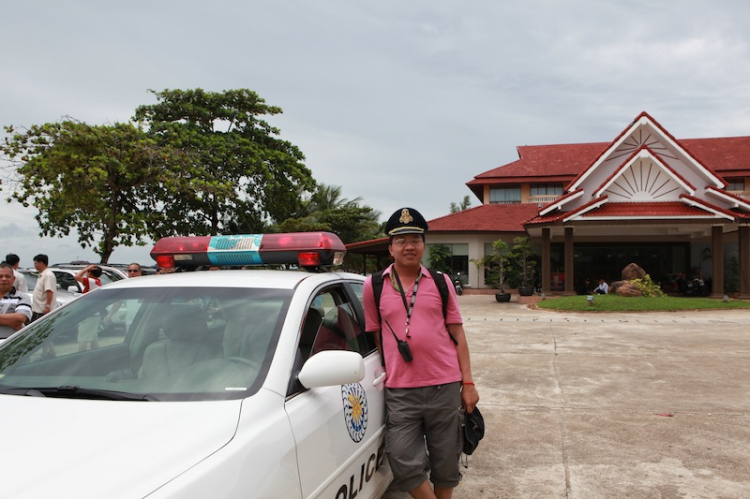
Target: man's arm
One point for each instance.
(14, 320)
(81, 274)
(49, 296)
(469, 394)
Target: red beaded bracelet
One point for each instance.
(467, 383)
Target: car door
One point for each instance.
(339, 430)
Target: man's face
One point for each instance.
(407, 249)
(39, 266)
(134, 271)
(7, 279)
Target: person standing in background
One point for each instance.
(45, 291)
(13, 260)
(134, 270)
(89, 277)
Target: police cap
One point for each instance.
(406, 221)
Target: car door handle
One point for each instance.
(379, 380)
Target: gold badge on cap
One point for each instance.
(405, 217)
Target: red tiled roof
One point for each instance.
(367, 244)
(565, 160)
(486, 218)
(724, 155)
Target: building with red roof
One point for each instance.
(677, 208)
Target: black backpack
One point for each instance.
(437, 276)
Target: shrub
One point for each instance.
(648, 287)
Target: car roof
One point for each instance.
(276, 279)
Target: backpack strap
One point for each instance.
(439, 279)
(377, 290)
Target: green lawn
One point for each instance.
(614, 303)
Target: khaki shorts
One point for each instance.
(423, 435)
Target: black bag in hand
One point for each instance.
(473, 430)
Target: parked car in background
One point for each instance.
(145, 269)
(66, 292)
(109, 273)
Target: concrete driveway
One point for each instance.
(636, 405)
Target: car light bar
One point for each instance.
(307, 249)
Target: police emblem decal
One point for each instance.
(405, 217)
(355, 410)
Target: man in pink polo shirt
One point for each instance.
(426, 358)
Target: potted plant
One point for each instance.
(495, 265)
(522, 265)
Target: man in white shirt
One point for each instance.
(602, 288)
(13, 260)
(45, 291)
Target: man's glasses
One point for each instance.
(404, 241)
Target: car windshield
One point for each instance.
(149, 344)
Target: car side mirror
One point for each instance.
(332, 367)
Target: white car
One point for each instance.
(236, 383)
(109, 274)
(64, 294)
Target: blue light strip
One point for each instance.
(235, 250)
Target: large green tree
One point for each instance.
(241, 177)
(104, 182)
(327, 210)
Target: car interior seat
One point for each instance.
(248, 332)
(188, 342)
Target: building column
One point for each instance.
(546, 254)
(743, 240)
(717, 255)
(569, 254)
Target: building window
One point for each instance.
(505, 195)
(736, 185)
(549, 189)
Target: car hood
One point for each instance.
(86, 448)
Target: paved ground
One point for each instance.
(637, 405)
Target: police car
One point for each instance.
(236, 383)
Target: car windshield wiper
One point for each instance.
(76, 392)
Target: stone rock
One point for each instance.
(633, 271)
(625, 288)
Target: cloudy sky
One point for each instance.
(398, 102)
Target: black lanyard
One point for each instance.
(409, 308)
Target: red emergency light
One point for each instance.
(307, 249)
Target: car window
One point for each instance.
(66, 280)
(108, 277)
(163, 343)
(331, 324)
